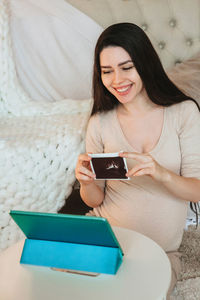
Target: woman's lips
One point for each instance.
(123, 90)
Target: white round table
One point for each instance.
(144, 275)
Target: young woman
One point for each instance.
(139, 110)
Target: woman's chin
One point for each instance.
(124, 100)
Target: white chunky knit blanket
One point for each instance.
(39, 144)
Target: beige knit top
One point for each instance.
(142, 204)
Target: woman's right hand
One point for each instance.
(83, 170)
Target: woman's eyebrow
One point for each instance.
(106, 67)
(125, 62)
(120, 64)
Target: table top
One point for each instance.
(144, 274)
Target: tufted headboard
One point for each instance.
(172, 25)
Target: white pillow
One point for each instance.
(186, 76)
(53, 45)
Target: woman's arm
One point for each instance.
(183, 187)
(90, 193)
(186, 188)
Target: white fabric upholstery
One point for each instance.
(53, 46)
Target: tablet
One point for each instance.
(66, 228)
(70, 243)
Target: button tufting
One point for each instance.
(144, 26)
(172, 23)
(178, 61)
(189, 42)
(161, 45)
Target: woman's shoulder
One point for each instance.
(98, 125)
(184, 114)
(102, 117)
(184, 110)
(184, 107)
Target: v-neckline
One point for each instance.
(129, 146)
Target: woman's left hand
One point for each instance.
(146, 166)
(185, 188)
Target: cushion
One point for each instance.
(53, 45)
(186, 76)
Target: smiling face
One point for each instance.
(119, 74)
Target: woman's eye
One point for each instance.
(106, 72)
(127, 68)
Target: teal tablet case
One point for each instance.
(72, 242)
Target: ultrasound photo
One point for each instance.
(109, 167)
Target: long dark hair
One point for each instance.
(160, 89)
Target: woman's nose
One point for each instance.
(117, 78)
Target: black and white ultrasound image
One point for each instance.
(109, 167)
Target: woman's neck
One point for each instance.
(139, 106)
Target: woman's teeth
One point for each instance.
(121, 90)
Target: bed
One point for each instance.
(46, 56)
